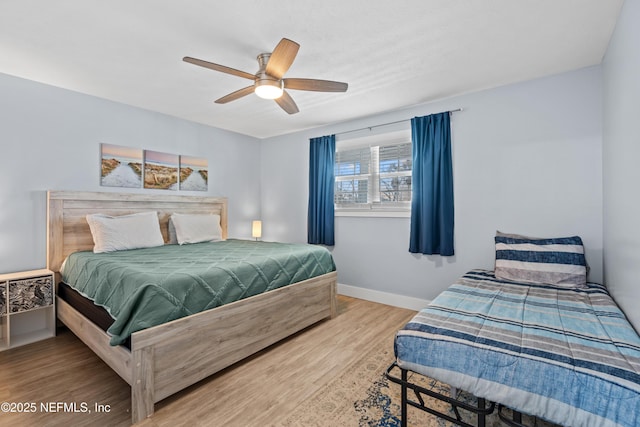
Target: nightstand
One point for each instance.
(27, 307)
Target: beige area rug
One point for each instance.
(363, 396)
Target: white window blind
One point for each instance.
(376, 176)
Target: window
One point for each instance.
(376, 176)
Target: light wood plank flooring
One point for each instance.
(258, 391)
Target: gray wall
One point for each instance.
(50, 139)
(621, 154)
(527, 159)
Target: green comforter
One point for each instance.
(142, 288)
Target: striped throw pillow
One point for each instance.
(556, 261)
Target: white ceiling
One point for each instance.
(393, 54)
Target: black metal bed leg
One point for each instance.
(403, 399)
(517, 417)
(481, 416)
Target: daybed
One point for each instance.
(562, 352)
(161, 360)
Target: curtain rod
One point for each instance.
(387, 124)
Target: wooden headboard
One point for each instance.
(68, 231)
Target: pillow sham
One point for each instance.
(196, 228)
(556, 261)
(117, 233)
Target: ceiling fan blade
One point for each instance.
(235, 95)
(287, 103)
(218, 67)
(281, 58)
(315, 85)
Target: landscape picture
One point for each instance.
(160, 170)
(194, 173)
(121, 166)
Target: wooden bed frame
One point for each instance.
(170, 357)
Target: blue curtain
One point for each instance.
(322, 156)
(432, 182)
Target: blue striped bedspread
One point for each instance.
(565, 355)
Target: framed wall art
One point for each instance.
(194, 173)
(120, 166)
(160, 170)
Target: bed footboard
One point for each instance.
(170, 357)
(175, 355)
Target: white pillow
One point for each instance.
(173, 239)
(193, 228)
(117, 233)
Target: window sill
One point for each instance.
(373, 213)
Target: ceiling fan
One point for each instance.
(269, 81)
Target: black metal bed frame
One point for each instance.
(481, 410)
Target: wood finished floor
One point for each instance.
(258, 391)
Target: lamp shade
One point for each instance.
(256, 229)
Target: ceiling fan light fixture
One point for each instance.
(269, 89)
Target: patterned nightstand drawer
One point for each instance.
(30, 293)
(3, 299)
(27, 307)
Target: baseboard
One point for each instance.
(388, 298)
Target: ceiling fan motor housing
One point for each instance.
(267, 86)
(263, 58)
